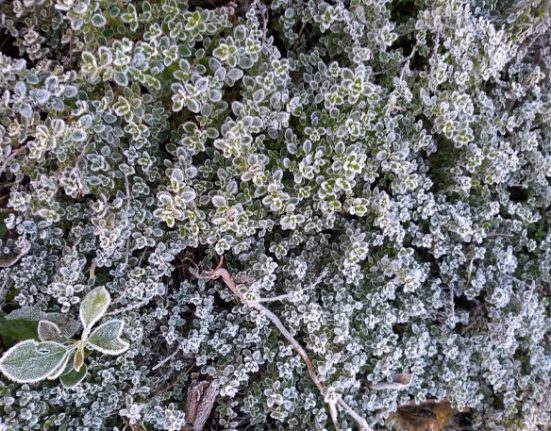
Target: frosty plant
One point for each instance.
(57, 356)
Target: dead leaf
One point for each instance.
(200, 399)
(428, 416)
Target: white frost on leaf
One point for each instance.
(31, 361)
(106, 338)
(48, 331)
(65, 323)
(59, 370)
(93, 307)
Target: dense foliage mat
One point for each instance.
(375, 173)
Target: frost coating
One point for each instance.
(94, 306)
(60, 368)
(106, 338)
(31, 361)
(401, 147)
(65, 323)
(48, 331)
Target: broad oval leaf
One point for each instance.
(48, 331)
(31, 361)
(74, 377)
(93, 306)
(106, 338)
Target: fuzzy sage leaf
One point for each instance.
(106, 338)
(93, 307)
(48, 331)
(31, 361)
(74, 377)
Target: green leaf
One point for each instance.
(73, 377)
(106, 338)
(31, 361)
(48, 331)
(3, 228)
(12, 330)
(89, 58)
(94, 306)
(65, 322)
(60, 369)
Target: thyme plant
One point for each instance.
(375, 173)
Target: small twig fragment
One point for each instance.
(399, 382)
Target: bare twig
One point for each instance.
(222, 273)
(405, 68)
(470, 271)
(2, 289)
(92, 272)
(288, 295)
(129, 307)
(164, 361)
(452, 305)
(404, 63)
(399, 382)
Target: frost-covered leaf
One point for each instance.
(60, 369)
(73, 377)
(48, 331)
(120, 78)
(65, 322)
(26, 110)
(218, 201)
(41, 95)
(27, 313)
(31, 361)
(106, 338)
(93, 306)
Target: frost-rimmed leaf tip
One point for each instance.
(93, 307)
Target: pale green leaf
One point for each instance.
(31, 361)
(73, 377)
(59, 370)
(48, 331)
(94, 306)
(106, 338)
(65, 323)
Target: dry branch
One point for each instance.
(222, 273)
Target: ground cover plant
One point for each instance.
(275, 215)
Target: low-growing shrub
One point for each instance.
(375, 173)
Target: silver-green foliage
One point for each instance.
(53, 356)
(400, 148)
